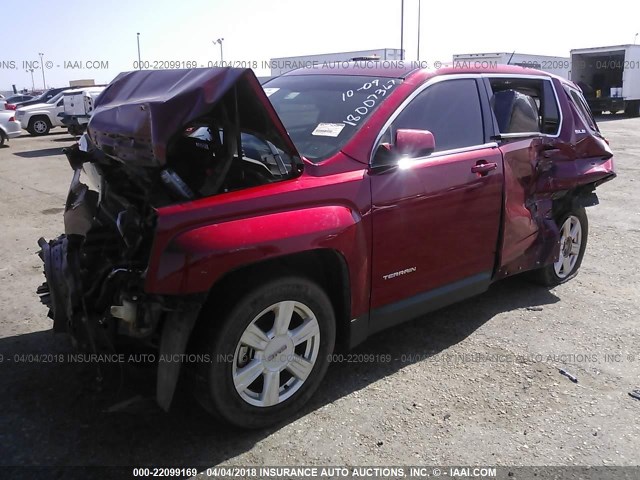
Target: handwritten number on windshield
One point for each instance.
(370, 101)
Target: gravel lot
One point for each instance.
(473, 384)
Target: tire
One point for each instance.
(39, 126)
(571, 254)
(1, 139)
(632, 109)
(233, 385)
(75, 130)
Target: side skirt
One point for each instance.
(396, 313)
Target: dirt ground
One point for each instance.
(474, 384)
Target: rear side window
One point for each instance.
(450, 110)
(583, 108)
(525, 105)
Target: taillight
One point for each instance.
(12, 119)
(9, 106)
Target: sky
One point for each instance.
(75, 31)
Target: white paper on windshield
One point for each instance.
(328, 129)
(271, 90)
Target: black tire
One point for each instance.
(76, 130)
(1, 138)
(632, 109)
(547, 276)
(39, 126)
(214, 382)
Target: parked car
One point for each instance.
(9, 102)
(258, 230)
(40, 118)
(9, 127)
(42, 98)
(78, 108)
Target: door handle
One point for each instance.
(483, 167)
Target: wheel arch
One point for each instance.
(324, 266)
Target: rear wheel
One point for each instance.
(2, 139)
(632, 109)
(39, 126)
(574, 228)
(268, 355)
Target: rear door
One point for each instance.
(528, 121)
(435, 218)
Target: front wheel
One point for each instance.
(39, 126)
(268, 355)
(574, 229)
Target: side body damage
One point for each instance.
(187, 189)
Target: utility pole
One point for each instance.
(419, 2)
(44, 83)
(33, 83)
(219, 41)
(402, 30)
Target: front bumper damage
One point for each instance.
(94, 287)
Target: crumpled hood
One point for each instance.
(140, 112)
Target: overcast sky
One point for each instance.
(253, 30)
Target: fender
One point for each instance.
(195, 259)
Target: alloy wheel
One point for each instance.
(570, 243)
(276, 354)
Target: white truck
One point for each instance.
(609, 78)
(40, 118)
(78, 108)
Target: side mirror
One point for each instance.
(414, 143)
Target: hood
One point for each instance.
(35, 106)
(140, 112)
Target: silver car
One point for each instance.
(9, 126)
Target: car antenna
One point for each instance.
(511, 57)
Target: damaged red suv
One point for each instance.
(258, 228)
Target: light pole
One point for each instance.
(44, 83)
(33, 84)
(219, 41)
(402, 30)
(139, 60)
(419, 2)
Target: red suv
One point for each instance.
(244, 232)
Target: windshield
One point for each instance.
(322, 112)
(56, 98)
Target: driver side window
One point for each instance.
(449, 109)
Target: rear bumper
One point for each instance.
(14, 129)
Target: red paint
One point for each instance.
(449, 217)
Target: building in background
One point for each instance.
(560, 66)
(281, 65)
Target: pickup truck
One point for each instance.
(245, 232)
(78, 108)
(40, 118)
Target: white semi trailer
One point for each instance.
(556, 65)
(609, 78)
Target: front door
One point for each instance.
(436, 219)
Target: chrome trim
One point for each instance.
(410, 162)
(531, 77)
(443, 78)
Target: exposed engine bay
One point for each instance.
(95, 271)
